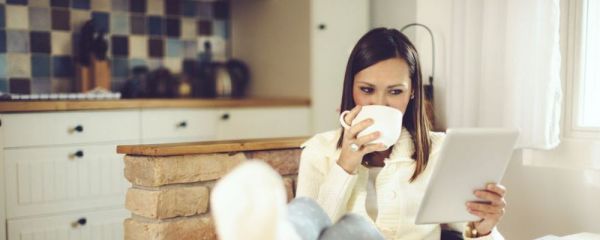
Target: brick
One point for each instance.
(289, 188)
(159, 171)
(168, 202)
(283, 161)
(201, 228)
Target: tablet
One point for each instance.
(467, 161)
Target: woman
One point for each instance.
(383, 69)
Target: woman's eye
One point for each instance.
(395, 91)
(366, 90)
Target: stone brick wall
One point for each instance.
(169, 196)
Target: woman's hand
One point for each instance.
(490, 212)
(349, 159)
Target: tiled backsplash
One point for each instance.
(38, 38)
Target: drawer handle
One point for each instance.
(78, 154)
(78, 128)
(182, 124)
(79, 223)
(225, 116)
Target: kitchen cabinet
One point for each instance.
(247, 123)
(178, 125)
(57, 168)
(95, 225)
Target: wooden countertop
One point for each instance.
(173, 149)
(72, 105)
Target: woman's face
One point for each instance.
(384, 83)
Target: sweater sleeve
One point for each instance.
(323, 180)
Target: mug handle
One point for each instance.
(342, 121)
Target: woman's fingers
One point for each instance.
(492, 197)
(368, 138)
(369, 148)
(485, 208)
(497, 188)
(362, 125)
(352, 114)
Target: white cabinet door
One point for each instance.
(247, 123)
(105, 225)
(178, 125)
(58, 179)
(336, 26)
(46, 129)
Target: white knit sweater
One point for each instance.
(338, 192)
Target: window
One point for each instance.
(582, 108)
(588, 97)
(580, 51)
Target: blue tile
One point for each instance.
(2, 17)
(80, 4)
(3, 65)
(120, 67)
(18, 2)
(174, 48)
(62, 66)
(17, 41)
(41, 85)
(204, 10)
(40, 65)
(101, 21)
(117, 84)
(189, 8)
(136, 62)
(119, 24)
(2, 41)
(59, 3)
(19, 85)
(155, 25)
(3, 85)
(221, 28)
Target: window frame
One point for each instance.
(573, 70)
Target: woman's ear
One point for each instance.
(412, 95)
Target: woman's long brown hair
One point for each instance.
(381, 44)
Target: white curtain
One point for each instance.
(504, 68)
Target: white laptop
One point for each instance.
(468, 160)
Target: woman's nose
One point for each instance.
(379, 99)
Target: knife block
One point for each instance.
(97, 75)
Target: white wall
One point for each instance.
(393, 14)
(544, 201)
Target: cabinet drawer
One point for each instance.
(42, 129)
(57, 179)
(100, 225)
(173, 125)
(247, 123)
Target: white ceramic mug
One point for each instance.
(386, 120)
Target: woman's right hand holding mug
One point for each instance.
(354, 148)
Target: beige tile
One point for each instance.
(173, 64)
(17, 17)
(61, 43)
(61, 85)
(100, 5)
(39, 3)
(19, 65)
(138, 46)
(78, 18)
(156, 7)
(188, 28)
